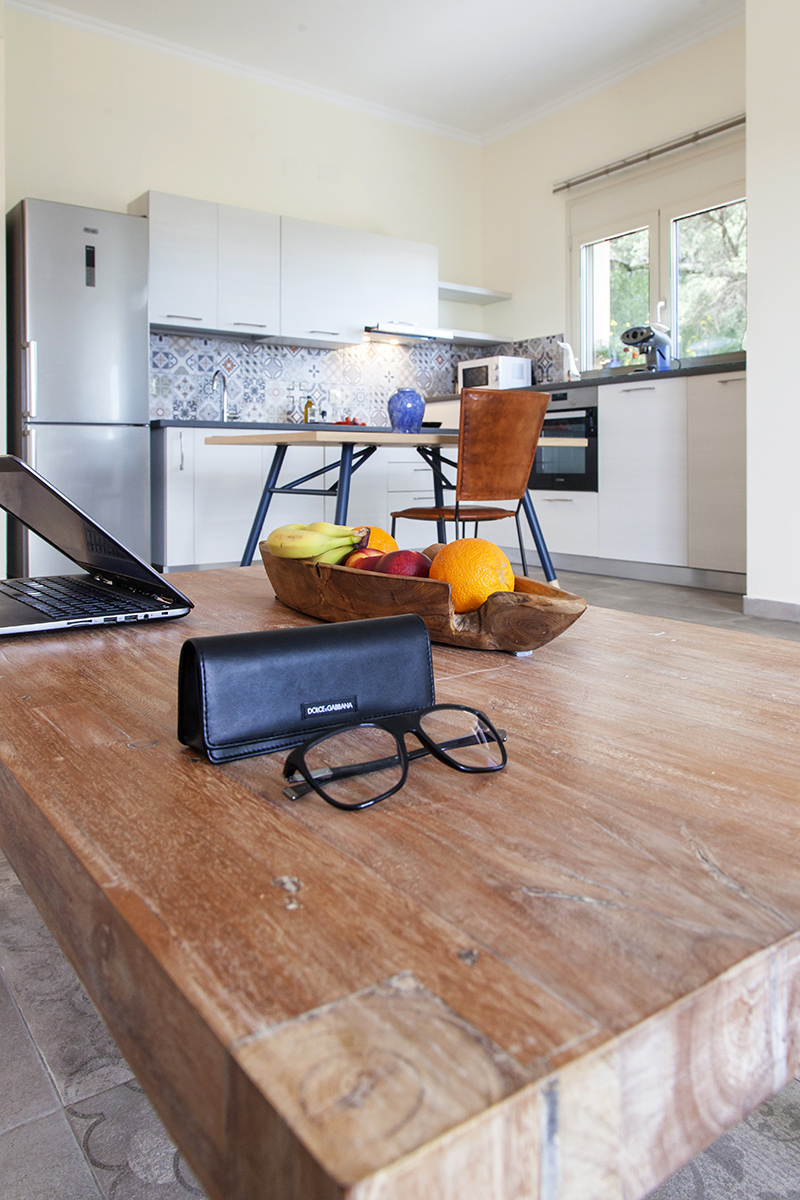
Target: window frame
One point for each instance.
(653, 196)
(671, 216)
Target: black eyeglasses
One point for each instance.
(359, 765)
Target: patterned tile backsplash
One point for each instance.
(266, 382)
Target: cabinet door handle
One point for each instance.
(181, 317)
(329, 332)
(180, 443)
(250, 324)
(734, 379)
(650, 387)
(557, 499)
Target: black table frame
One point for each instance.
(349, 461)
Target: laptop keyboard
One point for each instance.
(71, 598)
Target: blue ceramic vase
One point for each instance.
(406, 408)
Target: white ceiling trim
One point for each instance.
(63, 16)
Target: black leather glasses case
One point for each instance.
(251, 693)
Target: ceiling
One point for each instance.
(472, 69)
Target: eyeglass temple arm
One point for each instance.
(296, 790)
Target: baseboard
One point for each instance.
(776, 610)
(617, 568)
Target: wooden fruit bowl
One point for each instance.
(529, 617)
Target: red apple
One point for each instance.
(405, 562)
(366, 559)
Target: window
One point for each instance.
(709, 280)
(708, 287)
(615, 276)
(664, 243)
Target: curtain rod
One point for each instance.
(621, 164)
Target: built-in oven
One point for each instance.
(568, 468)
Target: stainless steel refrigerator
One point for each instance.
(78, 368)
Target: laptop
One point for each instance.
(116, 585)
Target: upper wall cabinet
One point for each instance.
(248, 271)
(323, 278)
(218, 268)
(212, 266)
(402, 282)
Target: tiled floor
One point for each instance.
(74, 1125)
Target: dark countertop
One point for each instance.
(599, 380)
(164, 423)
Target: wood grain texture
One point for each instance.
(525, 619)
(308, 436)
(588, 967)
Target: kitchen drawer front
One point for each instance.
(410, 477)
(414, 535)
(407, 471)
(568, 521)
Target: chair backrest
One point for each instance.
(497, 438)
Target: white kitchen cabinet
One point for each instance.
(172, 497)
(717, 472)
(228, 481)
(227, 485)
(204, 497)
(212, 266)
(182, 284)
(323, 276)
(409, 484)
(568, 521)
(248, 271)
(642, 470)
(401, 281)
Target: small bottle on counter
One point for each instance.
(309, 411)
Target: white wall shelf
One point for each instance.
(463, 293)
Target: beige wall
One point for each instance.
(773, 433)
(97, 122)
(2, 271)
(524, 228)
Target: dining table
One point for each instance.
(356, 445)
(559, 981)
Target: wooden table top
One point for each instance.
(308, 436)
(557, 983)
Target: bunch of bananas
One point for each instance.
(320, 542)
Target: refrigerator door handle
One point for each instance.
(29, 410)
(29, 445)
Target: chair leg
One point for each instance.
(394, 525)
(521, 545)
(475, 534)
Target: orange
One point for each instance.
(379, 539)
(475, 570)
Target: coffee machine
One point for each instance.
(655, 341)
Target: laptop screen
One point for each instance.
(27, 496)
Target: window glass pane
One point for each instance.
(710, 272)
(616, 294)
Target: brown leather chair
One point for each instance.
(497, 437)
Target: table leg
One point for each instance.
(343, 489)
(263, 505)
(538, 538)
(438, 492)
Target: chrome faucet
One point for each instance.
(221, 375)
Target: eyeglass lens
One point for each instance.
(355, 765)
(462, 737)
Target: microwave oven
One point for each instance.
(502, 371)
